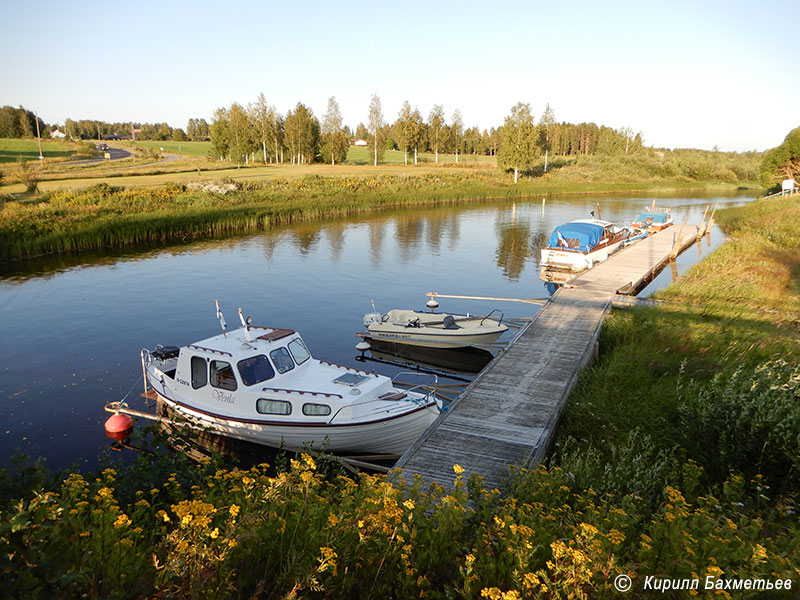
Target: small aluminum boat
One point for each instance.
(432, 330)
(262, 385)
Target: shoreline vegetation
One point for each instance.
(128, 205)
(676, 462)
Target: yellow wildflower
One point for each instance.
(122, 521)
(333, 519)
(214, 534)
(309, 462)
(616, 537)
(759, 552)
(234, 510)
(458, 469)
(409, 504)
(530, 580)
(492, 593)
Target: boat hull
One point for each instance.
(434, 330)
(575, 261)
(390, 435)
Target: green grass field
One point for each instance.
(12, 150)
(200, 149)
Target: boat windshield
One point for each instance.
(255, 369)
(283, 362)
(299, 351)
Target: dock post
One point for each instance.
(676, 247)
(702, 229)
(711, 220)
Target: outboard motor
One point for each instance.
(450, 322)
(373, 317)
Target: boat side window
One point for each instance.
(222, 375)
(199, 372)
(283, 362)
(299, 351)
(273, 407)
(311, 409)
(255, 369)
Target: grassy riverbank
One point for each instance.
(110, 216)
(677, 458)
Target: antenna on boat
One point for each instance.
(221, 319)
(246, 324)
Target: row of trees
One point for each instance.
(241, 133)
(20, 123)
(523, 142)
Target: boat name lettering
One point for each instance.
(222, 396)
(181, 381)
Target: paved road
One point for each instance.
(115, 153)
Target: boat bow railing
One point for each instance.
(496, 310)
(423, 388)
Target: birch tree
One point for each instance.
(263, 117)
(457, 130)
(436, 129)
(375, 126)
(302, 135)
(417, 129)
(334, 139)
(546, 125)
(404, 130)
(220, 133)
(518, 148)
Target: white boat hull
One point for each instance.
(430, 331)
(390, 433)
(574, 260)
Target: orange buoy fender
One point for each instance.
(118, 426)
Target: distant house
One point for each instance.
(56, 134)
(360, 143)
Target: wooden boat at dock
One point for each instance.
(578, 245)
(262, 385)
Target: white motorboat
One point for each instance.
(262, 385)
(432, 330)
(578, 245)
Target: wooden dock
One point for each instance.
(509, 413)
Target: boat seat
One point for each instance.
(450, 322)
(165, 352)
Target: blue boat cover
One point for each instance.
(656, 217)
(577, 236)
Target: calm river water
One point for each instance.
(72, 333)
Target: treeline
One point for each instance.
(258, 132)
(87, 129)
(20, 123)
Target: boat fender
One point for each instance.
(118, 426)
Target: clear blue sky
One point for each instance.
(685, 73)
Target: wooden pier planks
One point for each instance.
(509, 413)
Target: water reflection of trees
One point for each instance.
(305, 238)
(408, 231)
(375, 241)
(513, 248)
(335, 234)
